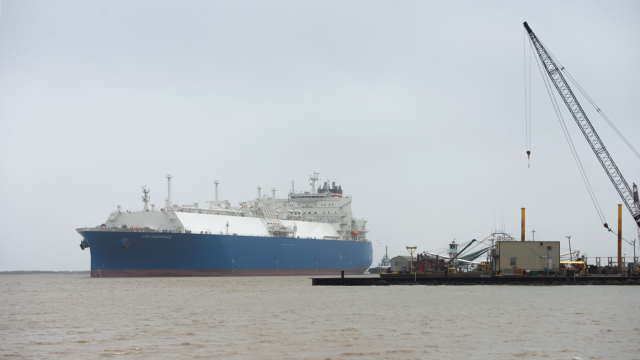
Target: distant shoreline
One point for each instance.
(35, 272)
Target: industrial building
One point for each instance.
(401, 263)
(510, 256)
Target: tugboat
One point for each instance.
(384, 264)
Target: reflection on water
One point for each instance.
(76, 317)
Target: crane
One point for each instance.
(587, 129)
(636, 201)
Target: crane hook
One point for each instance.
(528, 158)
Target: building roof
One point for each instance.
(406, 257)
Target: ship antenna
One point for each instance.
(167, 203)
(216, 182)
(259, 191)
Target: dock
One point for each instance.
(473, 279)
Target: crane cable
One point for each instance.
(628, 242)
(527, 101)
(463, 244)
(599, 111)
(595, 106)
(571, 145)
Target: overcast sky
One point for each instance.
(416, 108)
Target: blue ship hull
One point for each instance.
(137, 253)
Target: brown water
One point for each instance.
(76, 317)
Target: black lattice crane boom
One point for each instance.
(587, 129)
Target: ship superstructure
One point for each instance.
(323, 213)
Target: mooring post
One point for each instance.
(342, 274)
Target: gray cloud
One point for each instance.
(415, 108)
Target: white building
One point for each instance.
(527, 255)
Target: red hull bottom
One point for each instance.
(222, 272)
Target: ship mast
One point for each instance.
(216, 202)
(146, 197)
(167, 203)
(312, 181)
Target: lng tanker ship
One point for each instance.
(307, 233)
